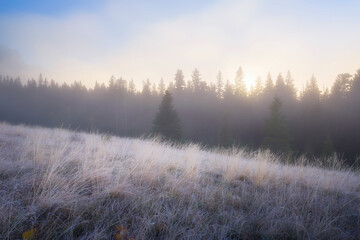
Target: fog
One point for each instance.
(77, 48)
(191, 119)
(270, 116)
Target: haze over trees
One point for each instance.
(225, 113)
(276, 134)
(167, 123)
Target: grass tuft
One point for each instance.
(57, 184)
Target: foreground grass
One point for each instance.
(69, 185)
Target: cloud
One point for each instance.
(128, 41)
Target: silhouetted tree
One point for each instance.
(146, 91)
(355, 87)
(179, 80)
(311, 92)
(219, 85)
(240, 87)
(258, 89)
(269, 85)
(154, 91)
(341, 86)
(228, 91)
(289, 81)
(195, 79)
(166, 122)
(280, 88)
(40, 81)
(171, 86)
(132, 88)
(119, 108)
(276, 134)
(161, 87)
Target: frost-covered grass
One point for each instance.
(70, 185)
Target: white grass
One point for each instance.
(71, 185)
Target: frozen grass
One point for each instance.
(72, 185)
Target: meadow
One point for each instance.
(60, 184)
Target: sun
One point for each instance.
(249, 81)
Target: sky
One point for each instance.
(89, 41)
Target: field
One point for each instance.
(58, 184)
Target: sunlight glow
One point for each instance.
(95, 43)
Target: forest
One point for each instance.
(312, 122)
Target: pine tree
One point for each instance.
(240, 87)
(341, 86)
(219, 85)
(280, 87)
(122, 84)
(212, 88)
(280, 82)
(289, 81)
(112, 84)
(153, 89)
(171, 86)
(195, 80)
(276, 134)
(167, 122)
(146, 91)
(132, 87)
(354, 93)
(326, 95)
(179, 80)
(269, 85)
(228, 91)
(203, 87)
(258, 89)
(161, 87)
(311, 92)
(355, 87)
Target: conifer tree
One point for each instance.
(228, 91)
(167, 122)
(132, 87)
(280, 84)
(258, 89)
(269, 85)
(355, 87)
(240, 87)
(40, 80)
(219, 85)
(280, 87)
(112, 84)
(341, 86)
(153, 89)
(146, 91)
(311, 92)
(289, 81)
(276, 134)
(179, 80)
(354, 93)
(161, 87)
(171, 86)
(195, 80)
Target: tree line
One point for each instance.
(272, 114)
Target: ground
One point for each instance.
(59, 184)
